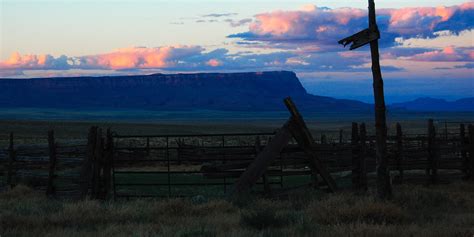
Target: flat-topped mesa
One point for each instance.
(220, 91)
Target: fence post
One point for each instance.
(323, 139)
(147, 144)
(471, 152)
(446, 130)
(97, 164)
(400, 152)
(432, 154)
(266, 185)
(463, 145)
(363, 165)
(11, 161)
(86, 170)
(355, 157)
(108, 157)
(341, 136)
(51, 190)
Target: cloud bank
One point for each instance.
(323, 26)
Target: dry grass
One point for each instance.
(445, 210)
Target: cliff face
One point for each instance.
(221, 91)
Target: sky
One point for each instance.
(426, 46)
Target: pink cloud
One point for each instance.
(161, 57)
(323, 26)
(304, 23)
(417, 20)
(31, 61)
(448, 54)
(214, 62)
(125, 58)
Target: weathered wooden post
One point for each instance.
(432, 154)
(399, 152)
(463, 143)
(50, 191)
(11, 162)
(263, 159)
(362, 155)
(97, 164)
(355, 157)
(446, 130)
(323, 139)
(266, 185)
(295, 127)
(147, 145)
(108, 159)
(371, 35)
(305, 140)
(471, 152)
(86, 170)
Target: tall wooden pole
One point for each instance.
(384, 189)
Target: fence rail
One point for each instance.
(109, 165)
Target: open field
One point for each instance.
(444, 210)
(415, 210)
(32, 125)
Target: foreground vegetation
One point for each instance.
(445, 210)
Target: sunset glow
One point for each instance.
(287, 36)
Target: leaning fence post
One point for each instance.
(11, 161)
(362, 164)
(355, 157)
(400, 151)
(471, 152)
(50, 191)
(432, 154)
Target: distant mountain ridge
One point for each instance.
(252, 91)
(427, 104)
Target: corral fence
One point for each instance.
(110, 165)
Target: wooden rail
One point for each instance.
(102, 168)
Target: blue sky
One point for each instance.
(427, 46)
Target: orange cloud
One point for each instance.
(17, 60)
(161, 57)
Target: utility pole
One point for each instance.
(372, 35)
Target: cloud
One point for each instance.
(324, 26)
(214, 62)
(448, 54)
(217, 15)
(235, 23)
(11, 73)
(441, 39)
(140, 57)
(125, 58)
(467, 65)
(463, 66)
(30, 61)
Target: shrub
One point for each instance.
(265, 214)
(341, 208)
(200, 231)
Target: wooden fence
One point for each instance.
(107, 165)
